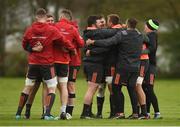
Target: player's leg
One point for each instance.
(29, 83)
(132, 78)
(50, 79)
(92, 88)
(109, 73)
(118, 97)
(152, 96)
(94, 74)
(44, 99)
(140, 92)
(62, 73)
(73, 70)
(100, 99)
(31, 99)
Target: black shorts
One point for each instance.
(124, 77)
(109, 70)
(94, 72)
(73, 70)
(40, 72)
(143, 68)
(61, 69)
(150, 75)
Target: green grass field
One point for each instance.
(168, 92)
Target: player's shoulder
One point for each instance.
(28, 29)
(52, 28)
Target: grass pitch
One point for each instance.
(168, 92)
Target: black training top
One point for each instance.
(97, 54)
(129, 44)
(153, 48)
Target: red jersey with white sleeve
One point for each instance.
(47, 35)
(61, 55)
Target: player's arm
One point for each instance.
(102, 33)
(106, 42)
(78, 39)
(25, 41)
(152, 42)
(106, 33)
(98, 50)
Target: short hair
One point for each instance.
(100, 16)
(132, 22)
(41, 12)
(49, 16)
(66, 13)
(92, 20)
(114, 18)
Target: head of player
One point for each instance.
(41, 15)
(50, 19)
(103, 22)
(65, 13)
(91, 21)
(112, 19)
(100, 22)
(131, 23)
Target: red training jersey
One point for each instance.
(70, 32)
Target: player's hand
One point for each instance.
(89, 42)
(73, 52)
(88, 53)
(37, 47)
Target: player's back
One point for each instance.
(61, 55)
(45, 34)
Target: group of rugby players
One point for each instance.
(115, 54)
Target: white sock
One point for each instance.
(63, 108)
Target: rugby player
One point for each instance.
(62, 58)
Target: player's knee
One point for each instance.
(27, 89)
(51, 90)
(62, 80)
(101, 90)
(71, 88)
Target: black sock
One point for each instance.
(50, 102)
(22, 102)
(90, 109)
(112, 106)
(143, 109)
(69, 109)
(121, 102)
(28, 110)
(100, 101)
(153, 98)
(133, 98)
(86, 110)
(148, 101)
